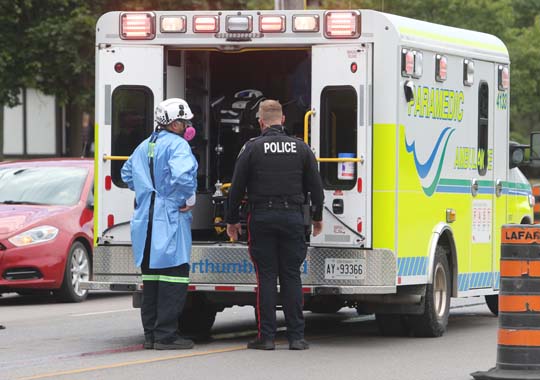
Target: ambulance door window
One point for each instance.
(339, 136)
(132, 111)
(483, 113)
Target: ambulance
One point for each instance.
(409, 121)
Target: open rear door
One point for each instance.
(130, 84)
(341, 130)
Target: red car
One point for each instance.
(46, 226)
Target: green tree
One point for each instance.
(525, 82)
(48, 45)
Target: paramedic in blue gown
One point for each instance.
(163, 173)
(277, 171)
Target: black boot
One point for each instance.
(299, 344)
(148, 342)
(261, 344)
(179, 344)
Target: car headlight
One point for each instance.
(35, 235)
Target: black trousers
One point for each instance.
(164, 296)
(278, 249)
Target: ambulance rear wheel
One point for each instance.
(492, 302)
(433, 322)
(197, 320)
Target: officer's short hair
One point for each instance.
(270, 111)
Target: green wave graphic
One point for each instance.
(429, 190)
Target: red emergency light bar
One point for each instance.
(205, 24)
(342, 24)
(137, 26)
(272, 24)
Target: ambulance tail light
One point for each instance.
(272, 24)
(359, 225)
(504, 78)
(206, 24)
(137, 26)
(342, 24)
(359, 185)
(441, 68)
(110, 220)
(108, 182)
(407, 62)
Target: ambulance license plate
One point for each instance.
(344, 269)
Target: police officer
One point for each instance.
(277, 171)
(163, 173)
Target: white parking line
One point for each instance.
(101, 312)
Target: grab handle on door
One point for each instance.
(115, 158)
(306, 125)
(499, 188)
(474, 187)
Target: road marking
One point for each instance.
(134, 362)
(362, 318)
(101, 312)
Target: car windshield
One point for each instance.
(42, 185)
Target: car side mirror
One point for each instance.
(535, 146)
(517, 154)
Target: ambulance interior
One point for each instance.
(224, 91)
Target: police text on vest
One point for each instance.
(280, 147)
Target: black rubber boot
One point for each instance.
(179, 344)
(299, 344)
(261, 344)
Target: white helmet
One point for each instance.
(172, 109)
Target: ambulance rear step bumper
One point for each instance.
(311, 289)
(114, 286)
(227, 267)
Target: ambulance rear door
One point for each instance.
(129, 83)
(341, 129)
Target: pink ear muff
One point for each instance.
(189, 133)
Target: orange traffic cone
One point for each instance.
(518, 346)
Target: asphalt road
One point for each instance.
(102, 339)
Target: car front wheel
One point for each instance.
(77, 270)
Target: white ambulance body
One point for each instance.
(410, 123)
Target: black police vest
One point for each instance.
(277, 164)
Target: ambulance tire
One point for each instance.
(77, 269)
(492, 302)
(433, 322)
(197, 320)
(392, 324)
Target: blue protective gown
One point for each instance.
(175, 172)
